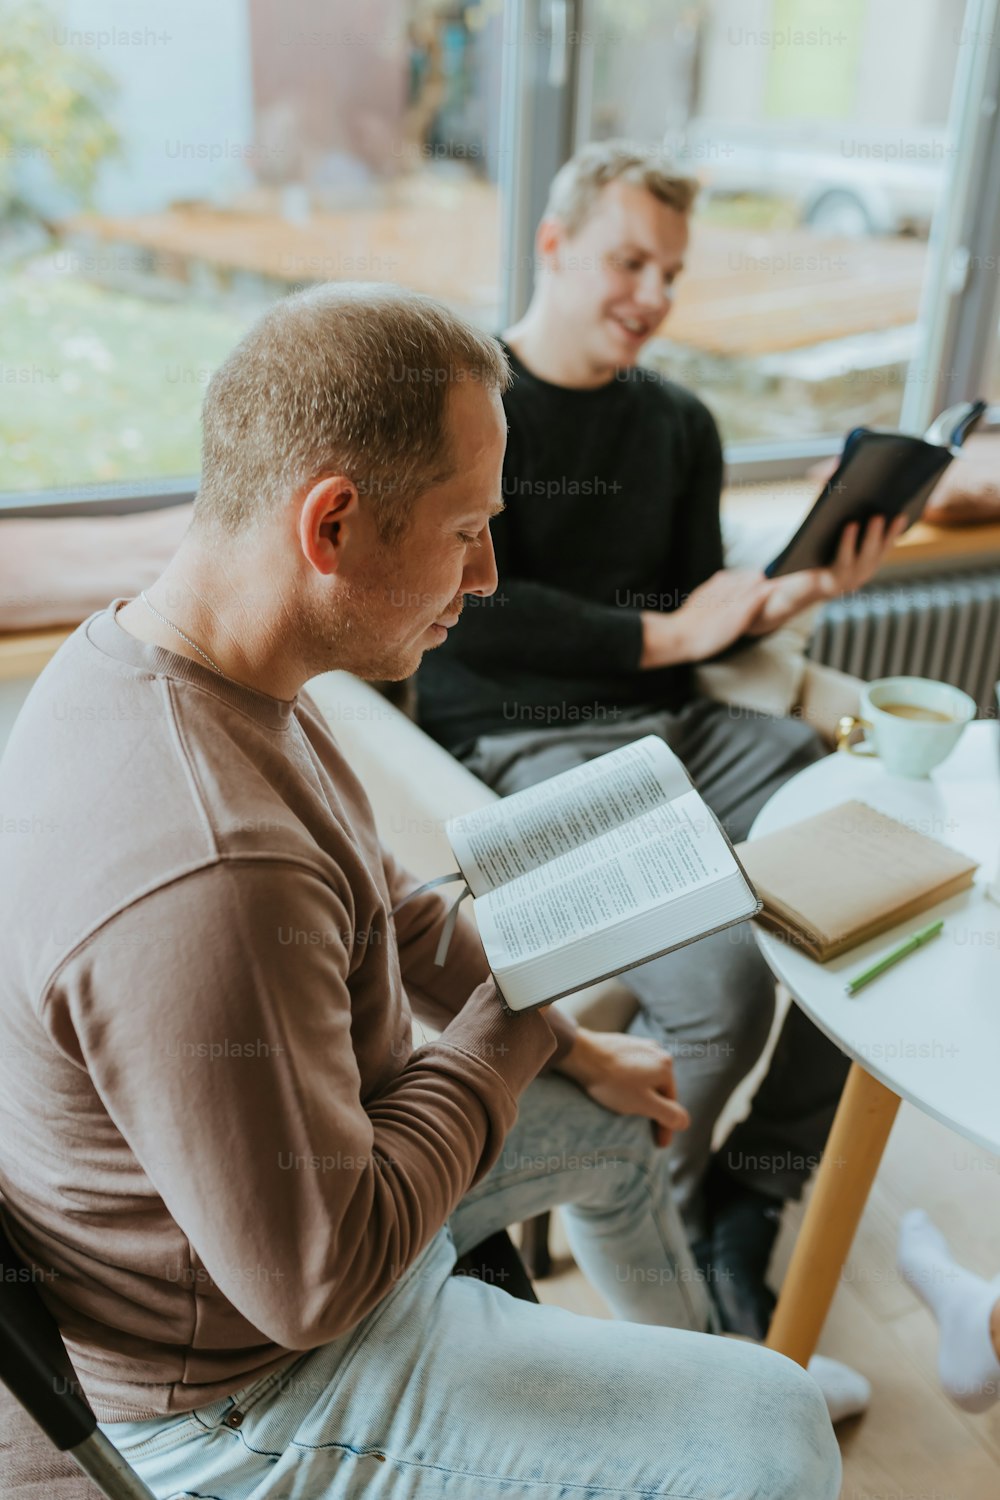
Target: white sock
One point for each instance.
(962, 1303)
(846, 1393)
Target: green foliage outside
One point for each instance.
(94, 385)
(54, 103)
(99, 386)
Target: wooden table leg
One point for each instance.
(846, 1172)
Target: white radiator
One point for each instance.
(946, 627)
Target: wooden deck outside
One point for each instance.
(746, 293)
(751, 294)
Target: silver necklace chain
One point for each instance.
(176, 628)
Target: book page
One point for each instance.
(613, 950)
(496, 844)
(672, 850)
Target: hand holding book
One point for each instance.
(595, 871)
(860, 554)
(880, 473)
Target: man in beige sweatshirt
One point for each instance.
(243, 1186)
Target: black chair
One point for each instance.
(535, 1251)
(495, 1261)
(36, 1369)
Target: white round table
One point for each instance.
(928, 1030)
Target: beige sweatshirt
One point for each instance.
(217, 1142)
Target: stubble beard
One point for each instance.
(351, 639)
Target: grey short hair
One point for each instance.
(577, 184)
(347, 378)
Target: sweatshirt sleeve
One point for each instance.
(439, 992)
(555, 631)
(224, 1053)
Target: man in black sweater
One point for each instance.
(612, 585)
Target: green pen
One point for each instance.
(910, 946)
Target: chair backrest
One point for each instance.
(36, 1369)
(34, 1364)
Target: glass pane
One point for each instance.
(993, 394)
(167, 171)
(818, 130)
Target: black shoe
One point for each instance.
(734, 1257)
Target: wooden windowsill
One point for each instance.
(25, 653)
(933, 544)
(785, 503)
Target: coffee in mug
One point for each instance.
(910, 723)
(916, 711)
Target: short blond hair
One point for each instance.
(577, 184)
(348, 378)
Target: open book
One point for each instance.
(595, 871)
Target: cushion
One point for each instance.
(969, 492)
(768, 674)
(30, 1467)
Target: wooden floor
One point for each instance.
(912, 1444)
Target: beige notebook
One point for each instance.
(833, 881)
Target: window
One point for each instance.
(167, 171)
(819, 131)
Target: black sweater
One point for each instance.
(612, 507)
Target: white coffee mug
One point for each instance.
(910, 723)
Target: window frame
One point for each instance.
(960, 304)
(121, 498)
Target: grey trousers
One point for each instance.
(711, 1004)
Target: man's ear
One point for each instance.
(550, 239)
(328, 517)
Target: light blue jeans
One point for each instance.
(452, 1389)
